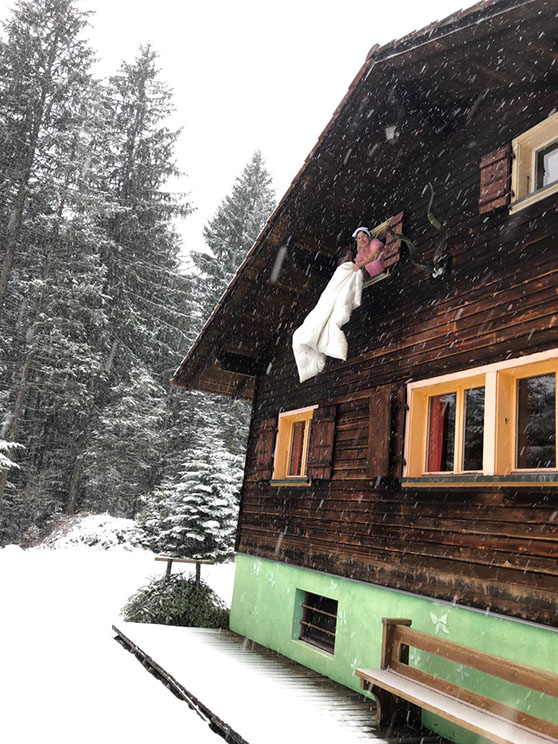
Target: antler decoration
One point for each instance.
(441, 258)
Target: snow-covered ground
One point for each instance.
(63, 679)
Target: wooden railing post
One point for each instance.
(388, 646)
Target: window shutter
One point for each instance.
(379, 429)
(320, 450)
(393, 246)
(398, 433)
(266, 442)
(495, 172)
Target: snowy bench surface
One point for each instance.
(396, 681)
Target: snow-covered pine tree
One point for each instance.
(47, 122)
(145, 292)
(43, 64)
(124, 447)
(229, 235)
(194, 515)
(209, 430)
(231, 232)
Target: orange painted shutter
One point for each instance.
(266, 444)
(495, 173)
(322, 435)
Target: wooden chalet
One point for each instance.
(419, 479)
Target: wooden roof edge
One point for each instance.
(447, 26)
(378, 55)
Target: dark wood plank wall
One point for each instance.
(492, 548)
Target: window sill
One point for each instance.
(478, 479)
(312, 647)
(533, 197)
(289, 482)
(375, 279)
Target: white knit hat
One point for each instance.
(362, 229)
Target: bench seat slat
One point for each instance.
(475, 699)
(484, 723)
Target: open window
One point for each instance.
(392, 247)
(534, 173)
(494, 423)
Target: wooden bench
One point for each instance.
(397, 684)
(170, 560)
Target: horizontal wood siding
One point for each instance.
(486, 547)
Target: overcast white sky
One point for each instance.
(250, 74)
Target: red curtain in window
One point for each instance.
(436, 433)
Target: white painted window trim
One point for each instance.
(523, 176)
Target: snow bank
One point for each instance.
(95, 530)
(59, 658)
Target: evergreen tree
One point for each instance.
(145, 292)
(44, 117)
(195, 514)
(143, 283)
(233, 229)
(125, 447)
(44, 67)
(194, 510)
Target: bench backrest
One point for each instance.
(398, 636)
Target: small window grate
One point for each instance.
(319, 621)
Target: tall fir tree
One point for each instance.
(46, 122)
(144, 289)
(207, 435)
(194, 514)
(233, 229)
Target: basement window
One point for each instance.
(319, 621)
(535, 164)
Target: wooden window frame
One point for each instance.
(524, 164)
(284, 442)
(380, 233)
(500, 423)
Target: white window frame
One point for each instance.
(525, 150)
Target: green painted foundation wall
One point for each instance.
(266, 609)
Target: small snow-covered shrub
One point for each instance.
(178, 600)
(95, 530)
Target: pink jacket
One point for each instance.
(377, 266)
